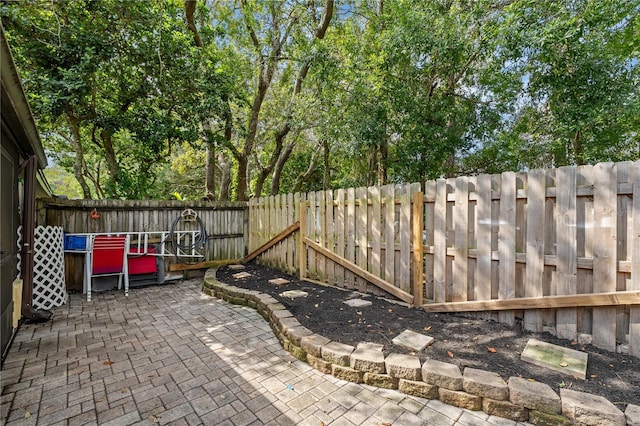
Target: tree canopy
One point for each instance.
(241, 98)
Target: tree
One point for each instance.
(121, 74)
(573, 72)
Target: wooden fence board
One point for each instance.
(339, 218)
(297, 202)
(361, 235)
(461, 240)
(301, 246)
(483, 238)
(535, 246)
(507, 243)
(322, 237)
(624, 215)
(634, 314)
(405, 239)
(330, 235)
(417, 259)
(440, 243)
(584, 244)
(566, 242)
(312, 220)
(350, 254)
(388, 194)
(429, 214)
(604, 252)
(375, 236)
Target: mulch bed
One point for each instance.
(460, 340)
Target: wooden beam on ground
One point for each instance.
(389, 288)
(614, 298)
(272, 242)
(202, 265)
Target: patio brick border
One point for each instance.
(516, 399)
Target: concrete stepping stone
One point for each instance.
(279, 281)
(294, 294)
(236, 267)
(357, 303)
(556, 358)
(242, 275)
(413, 341)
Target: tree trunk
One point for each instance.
(225, 177)
(304, 177)
(78, 164)
(268, 67)
(110, 158)
(326, 176)
(578, 149)
(372, 172)
(382, 163)
(277, 170)
(210, 165)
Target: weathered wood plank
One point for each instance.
(461, 240)
(483, 236)
(604, 252)
(417, 260)
(584, 245)
(330, 236)
(272, 242)
(340, 240)
(388, 194)
(428, 226)
(375, 236)
(361, 235)
(535, 246)
(290, 243)
(404, 281)
(350, 254)
(364, 274)
(634, 284)
(567, 267)
(301, 246)
(312, 222)
(440, 242)
(614, 298)
(507, 243)
(624, 216)
(321, 234)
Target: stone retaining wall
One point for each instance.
(516, 399)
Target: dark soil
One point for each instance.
(464, 341)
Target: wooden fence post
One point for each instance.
(634, 315)
(417, 262)
(301, 247)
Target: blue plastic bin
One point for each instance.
(75, 242)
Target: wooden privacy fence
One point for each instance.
(558, 249)
(225, 223)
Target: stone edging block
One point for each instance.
(534, 395)
(442, 374)
(519, 400)
(485, 384)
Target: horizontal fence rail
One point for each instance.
(565, 241)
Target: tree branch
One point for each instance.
(189, 9)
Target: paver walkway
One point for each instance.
(171, 355)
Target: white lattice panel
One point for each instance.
(48, 267)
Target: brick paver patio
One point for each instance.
(171, 355)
